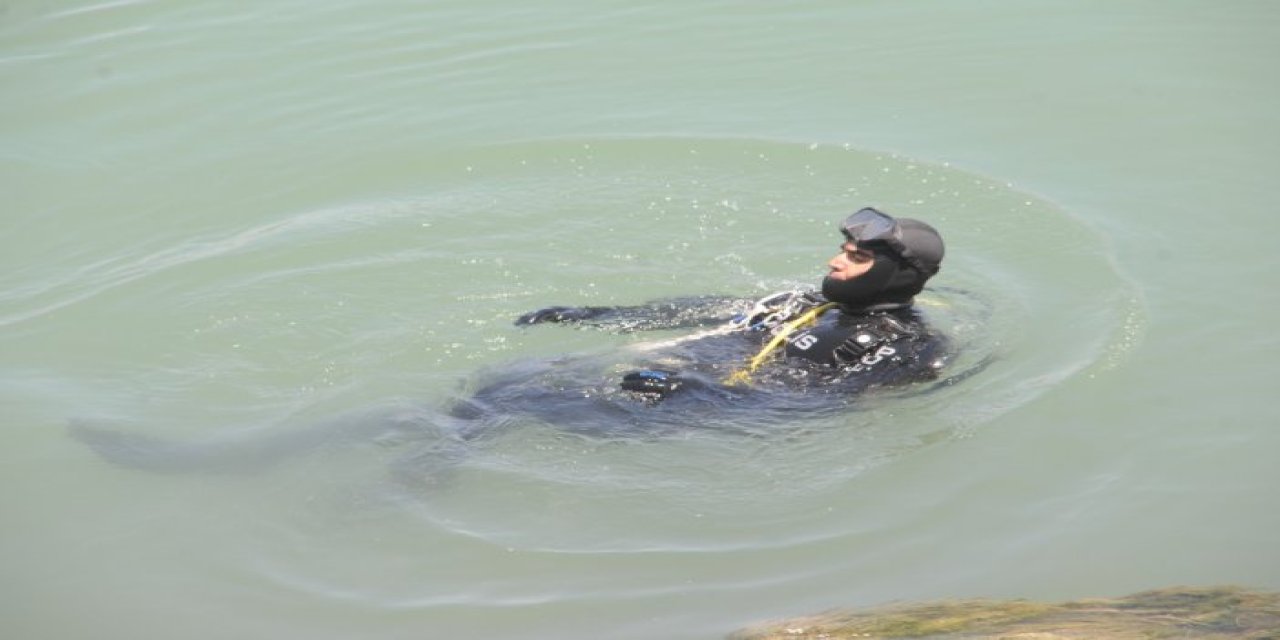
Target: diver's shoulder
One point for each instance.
(906, 317)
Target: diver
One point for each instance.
(860, 330)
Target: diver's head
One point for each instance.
(884, 262)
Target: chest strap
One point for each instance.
(743, 375)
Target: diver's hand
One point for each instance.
(654, 384)
(560, 314)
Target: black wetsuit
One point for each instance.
(820, 371)
(705, 376)
(895, 343)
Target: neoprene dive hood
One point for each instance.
(907, 253)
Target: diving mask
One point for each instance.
(869, 225)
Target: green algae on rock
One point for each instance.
(1210, 613)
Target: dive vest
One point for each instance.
(850, 340)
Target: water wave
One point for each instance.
(1029, 294)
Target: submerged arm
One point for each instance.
(670, 313)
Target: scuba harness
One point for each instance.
(868, 344)
(788, 316)
(743, 376)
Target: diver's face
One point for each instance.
(850, 263)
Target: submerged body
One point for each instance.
(583, 394)
(752, 365)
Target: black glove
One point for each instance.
(560, 314)
(654, 384)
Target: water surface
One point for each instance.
(270, 231)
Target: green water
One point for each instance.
(227, 223)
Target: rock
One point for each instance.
(1201, 613)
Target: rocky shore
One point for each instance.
(1198, 613)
